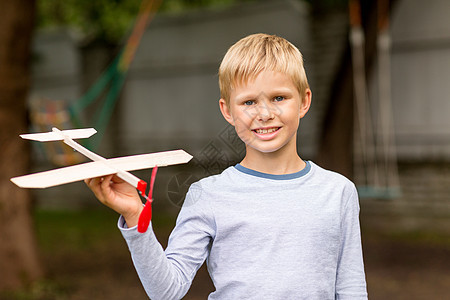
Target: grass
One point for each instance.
(76, 246)
(75, 230)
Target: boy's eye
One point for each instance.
(278, 98)
(249, 102)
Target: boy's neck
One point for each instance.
(276, 163)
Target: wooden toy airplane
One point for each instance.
(100, 166)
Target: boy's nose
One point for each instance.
(265, 112)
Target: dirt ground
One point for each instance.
(405, 268)
(397, 267)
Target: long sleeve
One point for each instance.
(350, 277)
(168, 274)
(264, 238)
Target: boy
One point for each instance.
(271, 227)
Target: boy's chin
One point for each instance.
(264, 149)
(271, 147)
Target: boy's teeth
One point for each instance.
(266, 130)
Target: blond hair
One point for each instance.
(255, 53)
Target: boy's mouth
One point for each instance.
(266, 130)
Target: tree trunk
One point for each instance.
(19, 261)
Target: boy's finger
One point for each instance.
(116, 179)
(106, 182)
(92, 182)
(95, 185)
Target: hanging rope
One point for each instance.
(387, 152)
(147, 13)
(364, 152)
(375, 160)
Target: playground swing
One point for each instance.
(47, 113)
(375, 156)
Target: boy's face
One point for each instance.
(266, 112)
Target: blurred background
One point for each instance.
(144, 74)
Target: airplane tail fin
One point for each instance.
(57, 135)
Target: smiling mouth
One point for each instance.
(266, 130)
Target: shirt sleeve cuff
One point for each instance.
(125, 230)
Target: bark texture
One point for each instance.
(19, 261)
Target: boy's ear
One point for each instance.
(306, 103)
(225, 110)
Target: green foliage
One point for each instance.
(185, 5)
(108, 20)
(328, 4)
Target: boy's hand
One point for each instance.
(117, 194)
